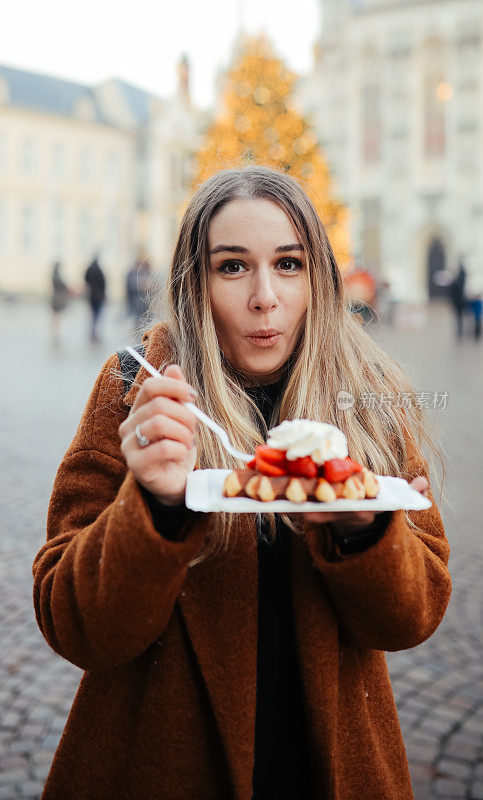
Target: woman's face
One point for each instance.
(257, 279)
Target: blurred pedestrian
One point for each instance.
(96, 295)
(58, 302)
(476, 307)
(132, 290)
(458, 297)
(137, 291)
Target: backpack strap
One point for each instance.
(129, 366)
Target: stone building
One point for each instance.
(396, 96)
(89, 169)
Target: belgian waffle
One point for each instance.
(251, 483)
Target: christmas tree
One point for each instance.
(257, 123)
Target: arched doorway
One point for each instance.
(436, 263)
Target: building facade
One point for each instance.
(89, 170)
(396, 97)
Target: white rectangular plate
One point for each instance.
(204, 489)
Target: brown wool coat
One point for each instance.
(166, 707)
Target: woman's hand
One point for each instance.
(162, 466)
(346, 522)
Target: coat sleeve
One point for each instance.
(106, 581)
(393, 595)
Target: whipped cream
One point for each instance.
(304, 437)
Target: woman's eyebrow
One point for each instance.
(233, 248)
(228, 248)
(287, 248)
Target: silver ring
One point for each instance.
(142, 440)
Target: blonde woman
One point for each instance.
(237, 656)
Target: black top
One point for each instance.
(281, 768)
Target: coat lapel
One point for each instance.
(219, 604)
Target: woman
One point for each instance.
(237, 657)
(95, 282)
(59, 299)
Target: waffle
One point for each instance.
(251, 483)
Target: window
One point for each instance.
(28, 156)
(370, 233)
(85, 163)
(58, 156)
(28, 228)
(436, 93)
(3, 152)
(112, 231)
(58, 229)
(3, 227)
(371, 124)
(112, 169)
(84, 109)
(434, 116)
(469, 40)
(85, 232)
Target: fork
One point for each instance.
(210, 423)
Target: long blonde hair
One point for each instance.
(334, 353)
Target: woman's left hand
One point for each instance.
(348, 521)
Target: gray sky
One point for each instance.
(142, 41)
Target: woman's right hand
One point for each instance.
(162, 466)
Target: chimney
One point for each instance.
(184, 79)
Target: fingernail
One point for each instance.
(193, 394)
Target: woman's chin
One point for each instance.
(259, 370)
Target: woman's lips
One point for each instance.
(265, 341)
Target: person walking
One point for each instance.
(458, 297)
(476, 304)
(237, 655)
(137, 292)
(59, 299)
(132, 291)
(96, 296)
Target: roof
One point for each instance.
(46, 93)
(137, 99)
(42, 92)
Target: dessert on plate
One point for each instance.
(302, 460)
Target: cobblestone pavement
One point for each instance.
(438, 685)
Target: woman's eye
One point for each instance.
(290, 262)
(225, 267)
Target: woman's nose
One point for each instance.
(263, 296)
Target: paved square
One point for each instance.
(438, 685)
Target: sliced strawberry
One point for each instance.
(303, 466)
(339, 469)
(271, 455)
(268, 469)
